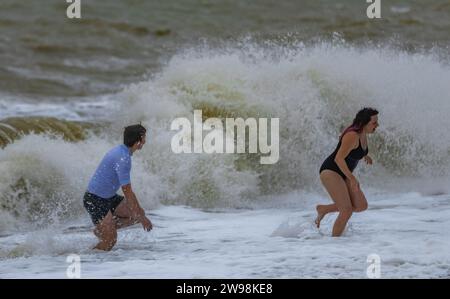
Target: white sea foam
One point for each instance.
(406, 230)
(314, 91)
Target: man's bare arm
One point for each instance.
(136, 211)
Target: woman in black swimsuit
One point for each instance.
(336, 171)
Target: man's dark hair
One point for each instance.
(133, 134)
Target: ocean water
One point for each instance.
(68, 87)
(407, 231)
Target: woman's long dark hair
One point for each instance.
(361, 119)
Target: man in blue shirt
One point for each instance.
(108, 210)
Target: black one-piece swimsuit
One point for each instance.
(352, 159)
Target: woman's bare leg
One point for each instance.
(337, 189)
(322, 210)
(359, 201)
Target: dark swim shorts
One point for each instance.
(98, 207)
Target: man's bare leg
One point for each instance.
(106, 232)
(123, 216)
(121, 222)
